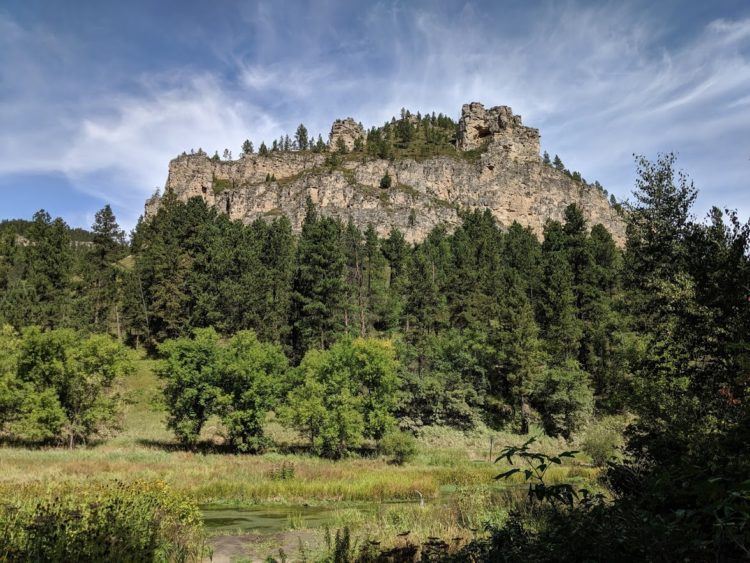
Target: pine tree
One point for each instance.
(318, 287)
(247, 147)
(263, 150)
(558, 316)
(49, 262)
(375, 281)
(397, 253)
(300, 137)
(520, 359)
(278, 264)
(102, 275)
(558, 163)
(426, 304)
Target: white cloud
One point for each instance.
(601, 82)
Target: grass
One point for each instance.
(220, 184)
(453, 471)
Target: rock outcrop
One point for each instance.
(346, 131)
(498, 126)
(508, 177)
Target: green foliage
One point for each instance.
(564, 398)
(253, 376)
(318, 286)
(240, 380)
(140, 521)
(345, 394)
(401, 447)
(603, 440)
(300, 137)
(219, 185)
(444, 380)
(536, 466)
(61, 387)
(413, 136)
(385, 181)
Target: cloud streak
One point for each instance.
(600, 81)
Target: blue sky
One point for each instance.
(97, 96)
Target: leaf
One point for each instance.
(507, 474)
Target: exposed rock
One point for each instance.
(348, 131)
(498, 127)
(508, 178)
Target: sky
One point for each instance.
(97, 96)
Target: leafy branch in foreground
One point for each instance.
(537, 466)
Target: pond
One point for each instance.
(270, 519)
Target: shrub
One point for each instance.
(344, 394)
(59, 386)
(239, 380)
(385, 181)
(564, 399)
(140, 521)
(400, 446)
(283, 472)
(603, 440)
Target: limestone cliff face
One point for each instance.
(508, 177)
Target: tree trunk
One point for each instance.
(524, 416)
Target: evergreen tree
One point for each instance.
(300, 137)
(522, 253)
(355, 307)
(375, 281)
(318, 287)
(559, 322)
(102, 274)
(520, 359)
(397, 253)
(247, 147)
(49, 262)
(263, 150)
(426, 306)
(278, 265)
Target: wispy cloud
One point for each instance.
(601, 81)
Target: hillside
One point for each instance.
(412, 174)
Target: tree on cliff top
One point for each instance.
(300, 137)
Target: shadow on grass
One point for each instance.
(209, 447)
(15, 442)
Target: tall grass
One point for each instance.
(139, 521)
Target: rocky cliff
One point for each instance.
(496, 165)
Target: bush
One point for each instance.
(564, 399)
(400, 446)
(344, 394)
(603, 440)
(239, 380)
(385, 181)
(141, 521)
(60, 386)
